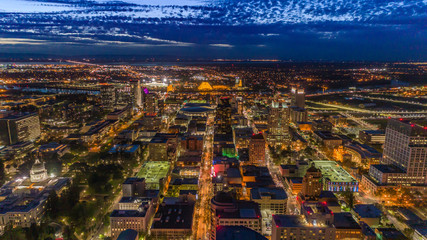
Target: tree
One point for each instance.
(70, 197)
(52, 205)
(2, 173)
(349, 198)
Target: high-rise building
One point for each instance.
(298, 114)
(223, 116)
(150, 102)
(108, 96)
(136, 94)
(298, 97)
(406, 147)
(278, 124)
(19, 127)
(312, 183)
(123, 95)
(257, 150)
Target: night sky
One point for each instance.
(383, 30)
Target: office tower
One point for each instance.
(298, 114)
(278, 127)
(108, 96)
(312, 183)
(298, 97)
(19, 127)
(150, 102)
(123, 93)
(257, 150)
(406, 148)
(223, 116)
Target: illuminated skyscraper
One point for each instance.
(257, 150)
(278, 124)
(108, 96)
(406, 147)
(298, 97)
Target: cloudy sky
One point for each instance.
(385, 30)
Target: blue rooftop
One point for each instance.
(367, 211)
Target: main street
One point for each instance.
(202, 216)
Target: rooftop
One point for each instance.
(237, 233)
(153, 171)
(387, 168)
(174, 216)
(326, 135)
(133, 180)
(290, 221)
(273, 193)
(367, 211)
(129, 213)
(333, 172)
(345, 220)
(128, 234)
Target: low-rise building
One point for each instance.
(227, 211)
(237, 232)
(137, 220)
(295, 227)
(335, 178)
(327, 139)
(173, 221)
(274, 200)
(372, 136)
(133, 187)
(368, 213)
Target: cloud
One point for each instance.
(221, 45)
(168, 41)
(17, 41)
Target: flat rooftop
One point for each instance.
(273, 193)
(367, 211)
(236, 233)
(345, 220)
(153, 171)
(332, 171)
(290, 221)
(387, 168)
(174, 216)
